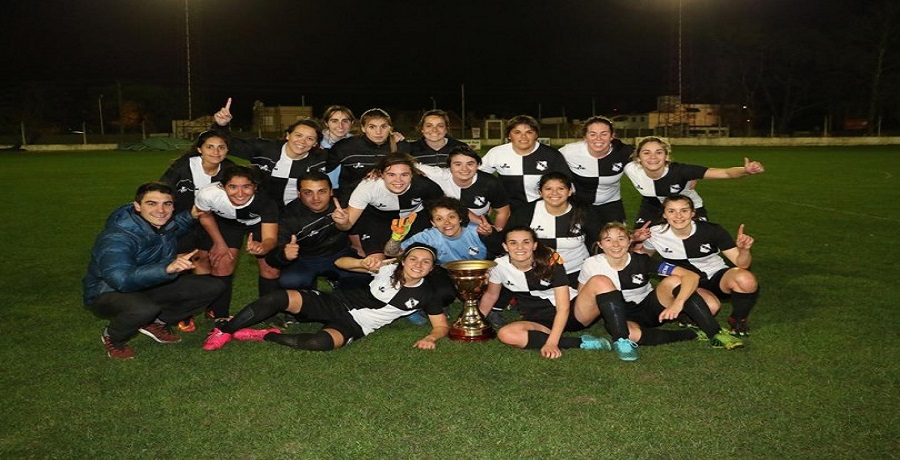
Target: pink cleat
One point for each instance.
(217, 339)
(254, 335)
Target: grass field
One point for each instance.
(819, 378)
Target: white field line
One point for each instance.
(839, 211)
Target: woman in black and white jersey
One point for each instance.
(656, 177)
(232, 210)
(561, 223)
(531, 273)
(648, 307)
(434, 147)
(394, 292)
(702, 247)
(282, 161)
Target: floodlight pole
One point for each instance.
(187, 43)
(100, 107)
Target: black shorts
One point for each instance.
(614, 211)
(646, 312)
(712, 284)
(232, 232)
(322, 307)
(545, 318)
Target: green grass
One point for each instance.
(818, 380)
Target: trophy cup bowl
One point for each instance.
(471, 279)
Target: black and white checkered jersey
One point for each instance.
(532, 293)
(373, 193)
(573, 243)
(633, 279)
(674, 181)
(382, 302)
(279, 170)
(700, 252)
(597, 180)
(429, 156)
(520, 174)
(186, 176)
(260, 209)
(485, 193)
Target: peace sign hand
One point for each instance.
(223, 116)
(642, 233)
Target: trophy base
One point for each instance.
(463, 335)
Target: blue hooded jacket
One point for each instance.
(131, 255)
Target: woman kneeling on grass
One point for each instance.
(700, 246)
(533, 274)
(646, 307)
(347, 315)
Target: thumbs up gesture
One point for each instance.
(292, 249)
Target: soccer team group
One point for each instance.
(375, 216)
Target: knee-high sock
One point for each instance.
(537, 339)
(222, 305)
(612, 308)
(741, 303)
(257, 311)
(317, 341)
(695, 307)
(651, 336)
(265, 286)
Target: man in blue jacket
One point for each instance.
(136, 279)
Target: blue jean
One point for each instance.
(302, 273)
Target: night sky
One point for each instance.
(511, 56)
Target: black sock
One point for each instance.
(265, 286)
(221, 306)
(741, 303)
(257, 311)
(696, 309)
(612, 308)
(652, 336)
(537, 339)
(317, 341)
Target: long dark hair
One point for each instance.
(544, 257)
(194, 151)
(576, 222)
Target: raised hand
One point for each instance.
(340, 215)
(182, 263)
(743, 241)
(254, 247)
(223, 116)
(400, 227)
(484, 226)
(642, 233)
(753, 167)
(292, 249)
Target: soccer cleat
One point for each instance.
(186, 325)
(121, 351)
(701, 336)
(626, 349)
(160, 333)
(217, 339)
(738, 327)
(418, 318)
(254, 335)
(727, 341)
(589, 342)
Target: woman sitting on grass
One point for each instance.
(699, 247)
(532, 274)
(646, 307)
(347, 315)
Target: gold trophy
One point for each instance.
(470, 278)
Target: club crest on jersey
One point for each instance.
(411, 303)
(674, 188)
(473, 250)
(616, 167)
(637, 278)
(544, 282)
(541, 165)
(705, 248)
(480, 200)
